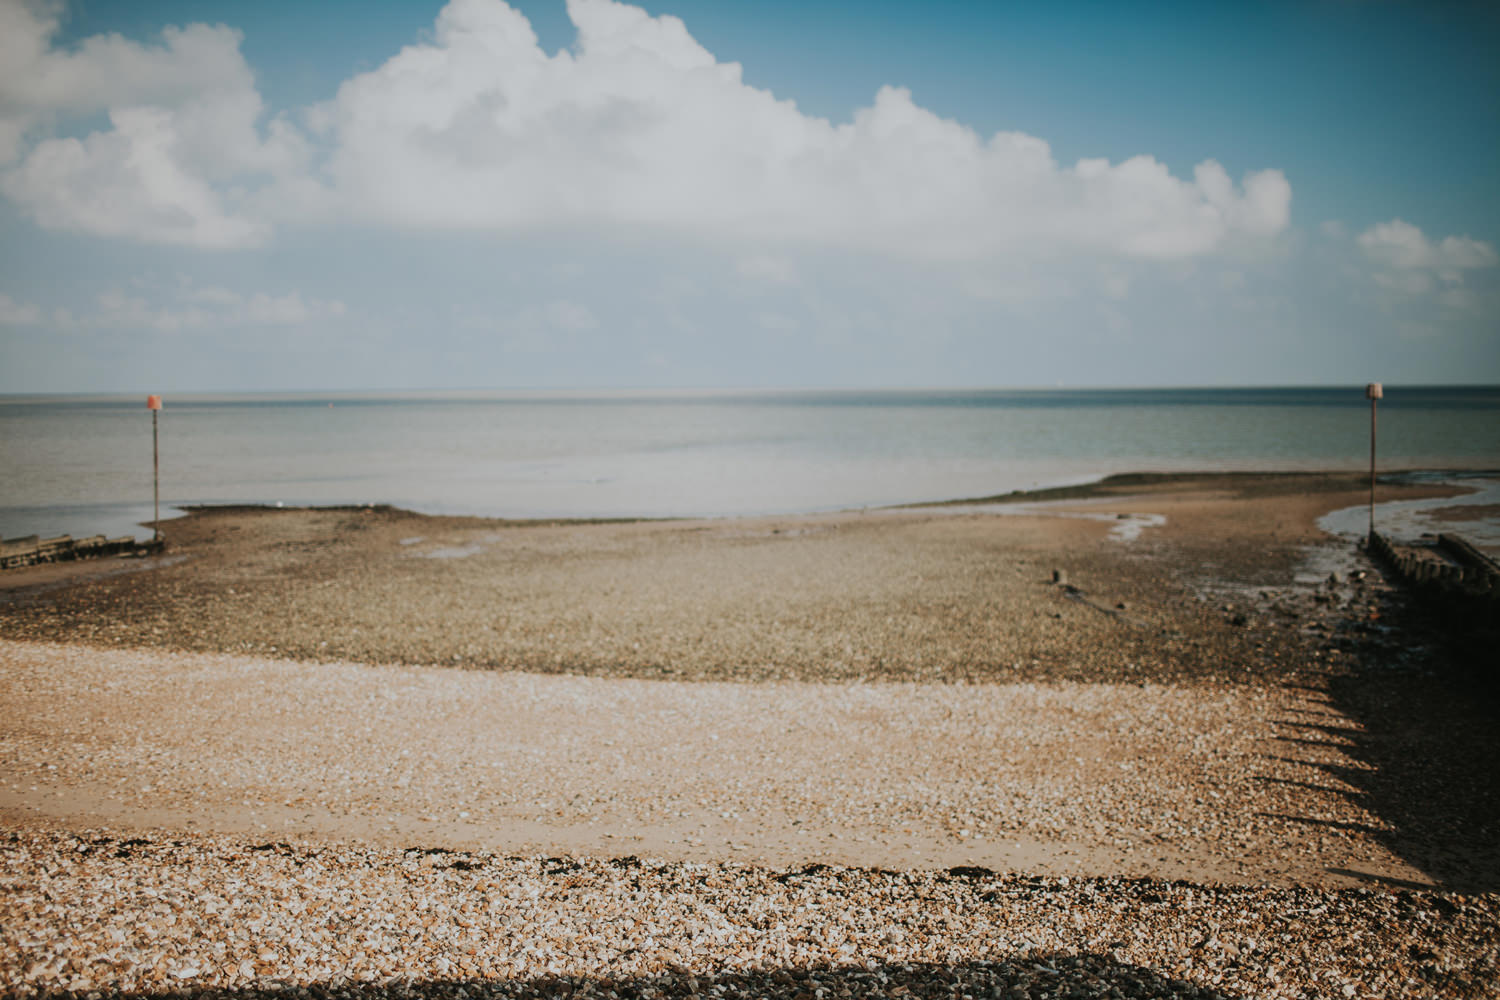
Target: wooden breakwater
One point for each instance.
(1448, 564)
(31, 550)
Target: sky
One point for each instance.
(225, 195)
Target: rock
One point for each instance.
(1059, 576)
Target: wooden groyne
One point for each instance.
(31, 550)
(1449, 564)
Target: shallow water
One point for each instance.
(83, 465)
(1407, 520)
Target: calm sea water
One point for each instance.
(83, 465)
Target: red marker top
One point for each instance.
(153, 402)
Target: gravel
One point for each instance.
(903, 596)
(90, 911)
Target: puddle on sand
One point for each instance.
(1128, 527)
(473, 548)
(451, 552)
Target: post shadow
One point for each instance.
(1423, 694)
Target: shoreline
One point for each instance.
(1087, 486)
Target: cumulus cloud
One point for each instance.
(1411, 268)
(182, 141)
(1402, 246)
(130, 182)
(38, 80)
(637, 126)
(1418, 276)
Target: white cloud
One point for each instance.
(192, 307)
(1403, 246)
(129, 182)
(641, 126)
(210, 294)
(284, 310)
(38, 81)
(13, 313)
(637, 126)
(117, 309)
(183, 134)
(1412, 269)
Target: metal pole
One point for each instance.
(153, 403)
(1371, 470)
(1373, 392)
(155, 483)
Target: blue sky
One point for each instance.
(235, 195)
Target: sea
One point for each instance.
(82, 465)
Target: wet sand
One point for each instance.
(927, 594)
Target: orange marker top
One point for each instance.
(153, 402)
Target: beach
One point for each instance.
(1157, 735)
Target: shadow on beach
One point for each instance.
(1057, 975)
(1423, 699)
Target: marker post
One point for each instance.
(1373, 392)
(153, 403)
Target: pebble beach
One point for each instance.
(927, 752)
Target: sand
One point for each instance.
(1065, 778)
(907, 691)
